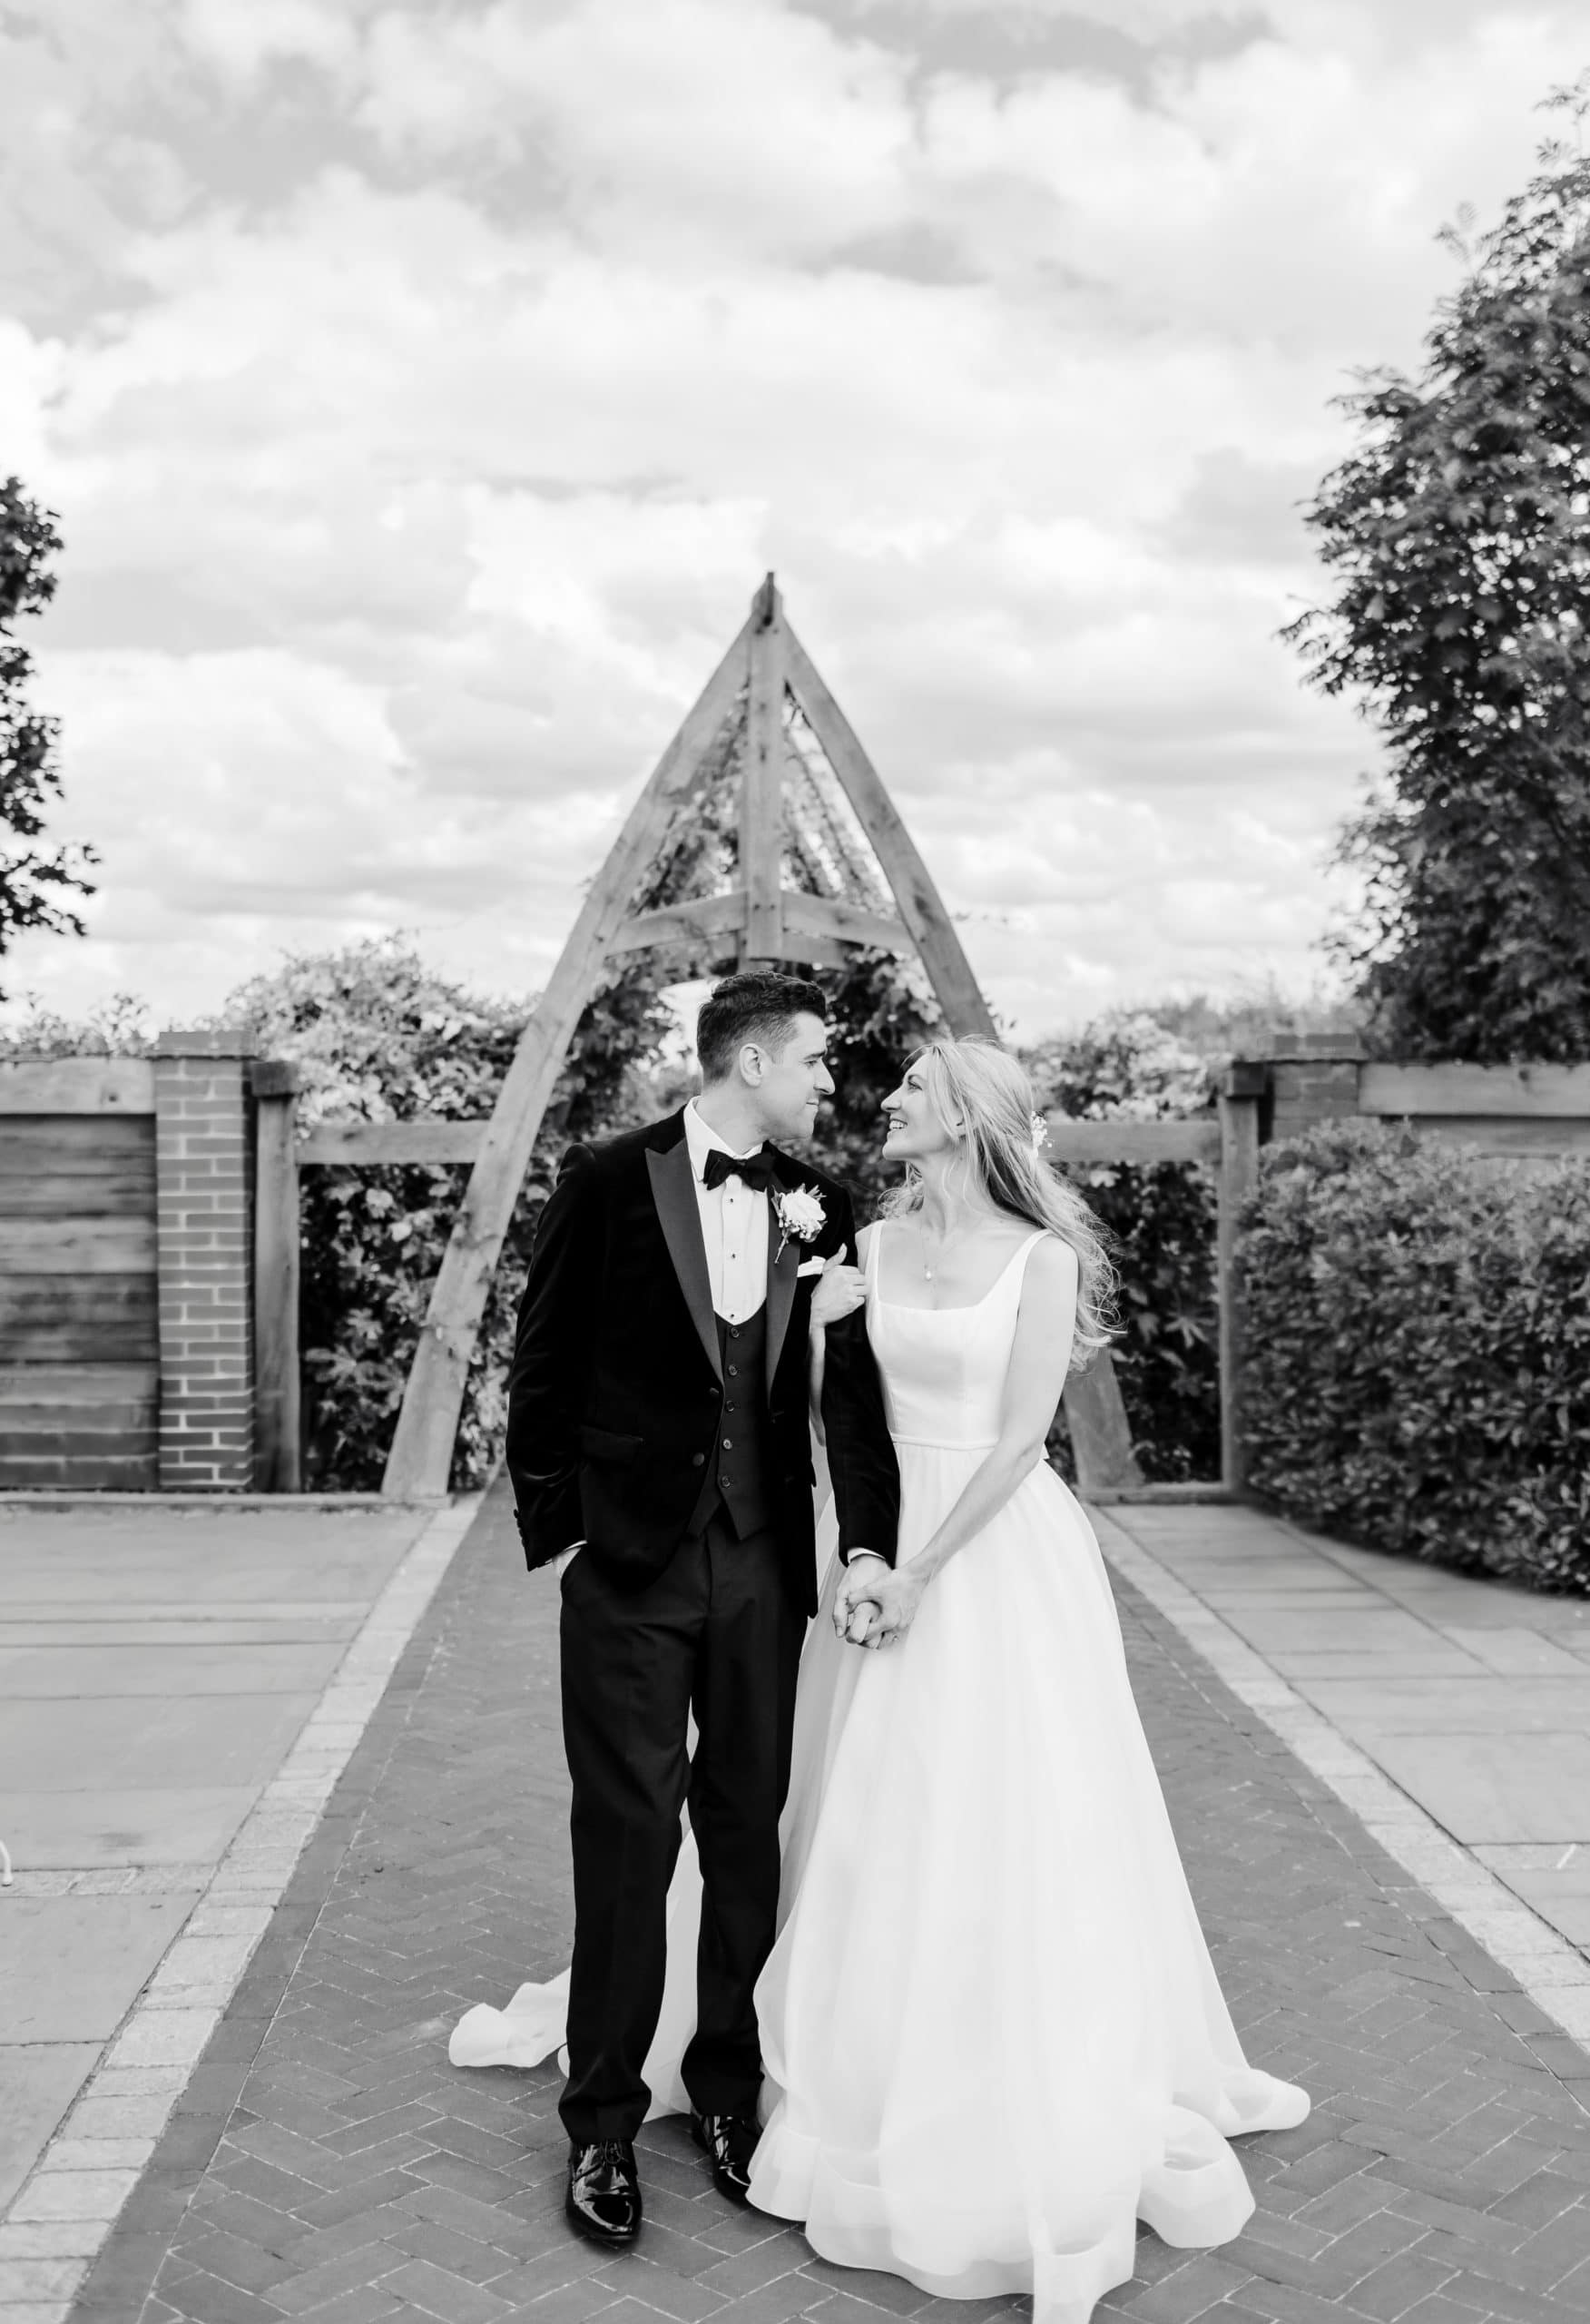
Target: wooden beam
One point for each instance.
(1542, 1137)
(373, 1143)
(850, 924)
(761, 790)
(1534, 1092)
(921, 907)
(277, 1418)
(689, 922)
(77, 1084)
(1144, 1143)
(1101, 1438)
(421, 1455)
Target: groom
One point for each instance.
(658, 1425)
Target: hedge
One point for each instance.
(1418, 1374)
(1160, 1219)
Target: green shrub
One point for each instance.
(1418, 1376)
(1162, 1223)
(379, 1036)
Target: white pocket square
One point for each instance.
(811, 1266)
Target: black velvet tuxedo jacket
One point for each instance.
(616, 1392)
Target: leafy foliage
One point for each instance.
(36, 883)
(1458, 534)
(117, 1028)
(882, 1011)
(1161, 1219)
(379, 1036)
(1419, 1373)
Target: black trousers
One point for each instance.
(716, 1632)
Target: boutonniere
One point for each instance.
(799, 1214)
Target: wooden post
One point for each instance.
(1101, 1440)
(421, 1456)
(1095, 1412)
(762, 794)
(1244, 1087)
(920, 905)
(277, 1455)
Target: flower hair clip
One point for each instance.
(1040, 1133)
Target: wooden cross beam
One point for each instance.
(760, 918)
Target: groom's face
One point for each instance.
(794, 1079)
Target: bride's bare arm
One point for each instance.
(1040, 1358)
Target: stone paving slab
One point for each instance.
(325, 2160)
(1482, 1722)
(140, 1726)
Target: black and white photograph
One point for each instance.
(794, 1162)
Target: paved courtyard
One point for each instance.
(324, 2160)
(1473, 1697)
(157, 1665)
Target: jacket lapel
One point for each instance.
(674, 1192)
(782, 1266)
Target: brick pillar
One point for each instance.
(1314, 1077)
(204, 1198)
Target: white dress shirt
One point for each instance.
(734, 1227)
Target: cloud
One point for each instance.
(425, 389)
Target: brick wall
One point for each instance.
(204, 1232)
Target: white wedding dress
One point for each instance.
(992, 2035)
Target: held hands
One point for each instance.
(838, 1291)
(875, 1607)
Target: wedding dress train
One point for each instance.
(992, 2035)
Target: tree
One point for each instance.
(1458, 534)
(36, 883)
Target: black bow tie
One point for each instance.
(756, 1169)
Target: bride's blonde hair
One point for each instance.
(982, 1095)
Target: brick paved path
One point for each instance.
(327, 2164)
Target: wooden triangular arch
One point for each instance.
(765, 835)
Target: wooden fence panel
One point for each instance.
(79, 1306)
(79, 1425)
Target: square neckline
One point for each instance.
(966, 1307)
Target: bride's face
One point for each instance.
(913, 1130)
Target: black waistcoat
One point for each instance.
(739, 1480)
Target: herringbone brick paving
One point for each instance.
(327, 2164)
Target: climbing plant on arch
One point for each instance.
(764, 835)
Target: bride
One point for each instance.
(992, 2036)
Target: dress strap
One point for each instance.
(1016, 1266)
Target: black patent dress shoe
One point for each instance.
(729, 2141)
(605, 2192)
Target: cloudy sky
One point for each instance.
(424, 385)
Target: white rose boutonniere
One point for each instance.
(800, 1215)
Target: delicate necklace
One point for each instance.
(927, 1256)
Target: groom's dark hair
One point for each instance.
(757, 1005)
